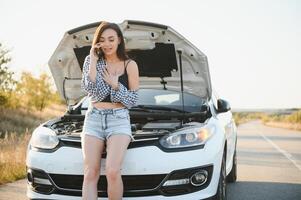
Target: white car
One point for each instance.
(185, 136)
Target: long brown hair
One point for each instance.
(121, 53)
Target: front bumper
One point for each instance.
(144, 171)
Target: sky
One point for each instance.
(253, 46)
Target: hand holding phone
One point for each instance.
(95, 51)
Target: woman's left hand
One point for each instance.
(110, 78)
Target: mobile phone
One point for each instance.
(98, 52)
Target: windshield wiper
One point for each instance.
(140, 108)
(151, 108)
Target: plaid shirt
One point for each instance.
(99, 89)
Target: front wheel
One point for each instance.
(221, 190)
(232, 176)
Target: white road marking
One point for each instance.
(283, 152)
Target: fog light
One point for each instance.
(199, 178)
(33, 179)
(29, 177)
(176, 182)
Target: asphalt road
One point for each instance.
(14, 191)
(269, 166)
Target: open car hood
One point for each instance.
(156, 48)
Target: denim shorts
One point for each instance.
(102, 123)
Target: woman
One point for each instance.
(112, 81)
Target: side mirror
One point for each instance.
(223, 106)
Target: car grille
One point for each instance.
(142, 182)
(133, 185)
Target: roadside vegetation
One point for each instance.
(24, 104)
(243, 117)
(290, 120)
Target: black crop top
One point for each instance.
(123, 79)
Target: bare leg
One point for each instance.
(92, 148)
(116, 149)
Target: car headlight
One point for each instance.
(44, 138)
(187, 138)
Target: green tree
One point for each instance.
(7, 83)
(35, 92)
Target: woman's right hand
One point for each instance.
(93, 54)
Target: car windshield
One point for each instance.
(169, 99)
(158, 99)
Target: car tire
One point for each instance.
(221, 193)
(232, 176)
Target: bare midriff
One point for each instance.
(107, 105)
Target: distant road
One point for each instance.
(269, 166)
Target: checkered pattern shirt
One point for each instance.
(99, 89)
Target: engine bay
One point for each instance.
(72, 124)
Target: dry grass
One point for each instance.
(22, 120)
(288, 121)
(243, 117)
(15, 132)
(12, 157)
(291, 121)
